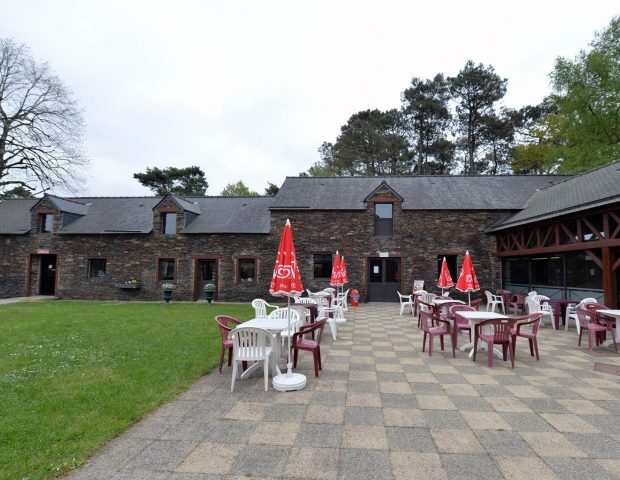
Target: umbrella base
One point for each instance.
(286, 382)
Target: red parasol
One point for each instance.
(336, 278)
(445, 280)
(343, 271)
(467, 281)
(286, 281)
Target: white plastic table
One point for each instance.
(274, 325)
(476, 317)
(441, 302)
(611, 313)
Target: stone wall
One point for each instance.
(419, 236)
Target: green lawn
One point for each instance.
(75, 374)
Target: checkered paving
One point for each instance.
(384, 409)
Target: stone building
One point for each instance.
(391, 230)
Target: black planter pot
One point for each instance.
(167, 295)
(209, 294)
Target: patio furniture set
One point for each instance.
(439, 316)
(261, 339)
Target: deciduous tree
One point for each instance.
(40, 124)
(238, 189)
(587, 94)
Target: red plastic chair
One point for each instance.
(589, 319)
(506, 296)
(223, 321)
(424, 307)
(500, 336)
(459, 323)
(427, 319)
(476, 304)
(534, 321)
(517, 302)
(314, 346)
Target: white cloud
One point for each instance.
(249, 90)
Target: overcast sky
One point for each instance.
(249, 90)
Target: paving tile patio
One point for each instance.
(384, 409)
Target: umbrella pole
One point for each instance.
(289, 364)
(469, 297)
(289, 381)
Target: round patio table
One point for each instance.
(274, 325)
(616, 315)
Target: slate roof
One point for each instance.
(15, 215)
(507, 192)
(114, 215)
(69, 206)
(588, 190)
(231, 215)
(107, 215)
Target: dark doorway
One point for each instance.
(47, 282)
(383, 279)
(207, 273)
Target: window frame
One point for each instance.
(43, 224)
(380, 224)
(174, 271)
(165, 223)
(238, 270)
(89, 270)
(314, 263)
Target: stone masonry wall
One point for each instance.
(419, 236)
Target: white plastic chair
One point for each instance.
(283, 313)
(428, 297)
(344, 297)
(251, 345)
(324, 310)
(305, 301)
(534, 307)
(572, 315)
(405, 301)
(532, 293)
(260, 307)
(493, 300)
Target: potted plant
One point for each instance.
(209, 289)
(167, 288)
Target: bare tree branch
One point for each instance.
(41, 126)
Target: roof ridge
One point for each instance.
(581, 174)
(437, 176)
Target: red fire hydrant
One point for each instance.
(355, 298)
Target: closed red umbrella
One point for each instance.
(467, 281)
(445, 279)
(336, 278)
(286, 281)
(343, 270)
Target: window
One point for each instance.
(322, 265)
(517, 271)
(451, 261)
(169, 223)
(582, 271)
(166, 268)
(96, 267)
(47, 223)
(247, 270)
(548, 271)
(383, 219)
